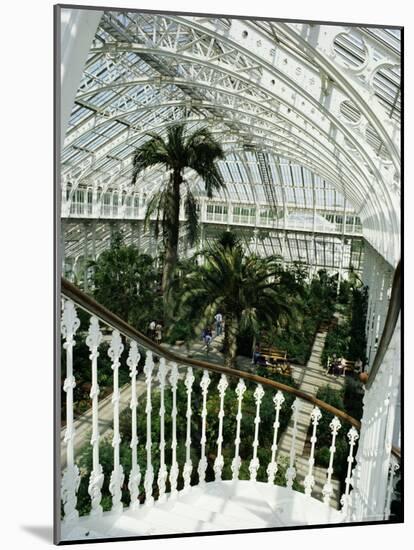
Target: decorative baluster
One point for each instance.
(254, 463)
(174, 465)
(272, 468)
(328, 488)
(291, 471)
(219, 462)
(236, 463)
(345, 499)
(71, 478)
(117, 476)
(394, 467)
(149, 472)
(188, 466)
(96, 479)
(135, 474)
(309, 480)
(162, 473)
(202, 465)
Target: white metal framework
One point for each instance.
(308, 116)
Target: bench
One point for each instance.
(273, 352)
(347, 365)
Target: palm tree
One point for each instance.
(244, 288)
(178, 151)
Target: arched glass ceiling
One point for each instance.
(288, 101)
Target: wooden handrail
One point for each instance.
(95, 308)
(389, 326)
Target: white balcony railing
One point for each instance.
(153, 480)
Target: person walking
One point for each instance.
(158, 333)
(151, 330)
(219, 323)
(207, 339)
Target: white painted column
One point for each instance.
(327, 490)
(202, 465)
(309, 480)
(149, 472)
(188, 466)
(254, 463)
(291, 471)
(162, 473)
(219, 462)
(236, 462)
(96, 479)
(272, 468)
(77, 29)
(174, 465)
(71, 477)
(135, 474)
(117, 476)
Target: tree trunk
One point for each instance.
(171, 231)
(230, 341)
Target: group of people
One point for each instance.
(207, 333)
(336, 366)
(155, 331)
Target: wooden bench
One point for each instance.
(276, 360)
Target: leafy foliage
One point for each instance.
(245, 288)
(180, 150)
(127, 282)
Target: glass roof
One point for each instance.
(288, 101)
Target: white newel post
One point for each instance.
(71, 478)
(117, 476)
(174, 465)
(309, 480)
(162, 473)
(219, 462)
(394, 467)
(149, 472)
(188, 466)
(236, 462)
(272, 468)
(291, 471)
(135, 474)
(96, 479)
(345, 499)
(202, 465)
(328, 488)
(254, 463)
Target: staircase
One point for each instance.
(217, 506)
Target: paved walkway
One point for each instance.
(310, 379)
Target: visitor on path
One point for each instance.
(219, 323)
(256, 354)
(207, 339)
(158, 333)
(358, 366)
(151, 330)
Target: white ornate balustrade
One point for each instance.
(84, 205)
(177, 496)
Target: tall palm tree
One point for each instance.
(180, 150)
(244, 288)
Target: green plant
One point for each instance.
(127, 282)
(180, 150)
(245, 288)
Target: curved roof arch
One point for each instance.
(319, 96)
